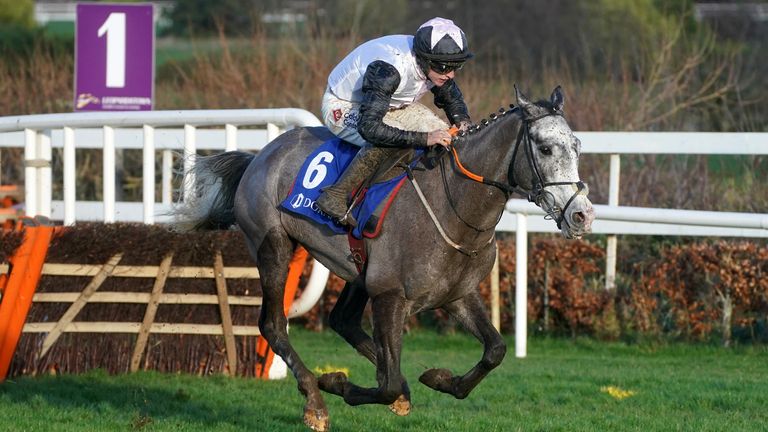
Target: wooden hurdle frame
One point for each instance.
(27, 266)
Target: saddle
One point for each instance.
(371, 200)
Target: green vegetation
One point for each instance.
(561, 385)
(17, 12)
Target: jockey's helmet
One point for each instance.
(441, 45)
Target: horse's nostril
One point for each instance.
(578, 217)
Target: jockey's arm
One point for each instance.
(448, 97)
(379, 84)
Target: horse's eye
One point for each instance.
(545, 150)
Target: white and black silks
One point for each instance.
(380, 82)
(384, 74)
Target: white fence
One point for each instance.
(153, 131)
(182, 130)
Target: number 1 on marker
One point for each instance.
(114, 28)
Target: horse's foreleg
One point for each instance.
(273, 257)
(346, 319)
(388, 317)
(470, 313)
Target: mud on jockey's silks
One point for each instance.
(320, 170)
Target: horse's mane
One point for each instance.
(503, 112)
(488, 121)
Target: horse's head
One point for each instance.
(546, 164)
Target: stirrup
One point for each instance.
(348, 219)
(331, 204)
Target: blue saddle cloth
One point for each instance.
(321, 169)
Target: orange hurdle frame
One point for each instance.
(20, 284)
(264, 354)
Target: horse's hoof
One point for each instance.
(438, 379)
(332, 382)
(316, 419)
(401, 406)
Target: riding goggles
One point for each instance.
(444, 68)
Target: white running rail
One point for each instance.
(111, 130)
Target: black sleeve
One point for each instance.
(379, 84)
(448, 97)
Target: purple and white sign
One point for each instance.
(114, 57)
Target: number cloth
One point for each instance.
(321, 169)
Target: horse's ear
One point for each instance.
(523, 102)
(557, 99)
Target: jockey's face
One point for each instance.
(440, 78)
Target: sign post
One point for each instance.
(114, 57)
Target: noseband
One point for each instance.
(538, 194)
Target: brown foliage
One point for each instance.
(40, 83)
(252, 73)
(700, 290)
(569, 272)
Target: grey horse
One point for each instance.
(432, 253)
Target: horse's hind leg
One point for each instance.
(389, 318)
(272, 258)
(346, 320)
(470, 313)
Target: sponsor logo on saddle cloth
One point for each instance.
(321, 169)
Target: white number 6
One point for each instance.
(316, 171)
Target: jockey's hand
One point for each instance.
(463, 126)
(439, 137)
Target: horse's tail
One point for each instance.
(214, 183)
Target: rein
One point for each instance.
(468, 252)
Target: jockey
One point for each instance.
(384, 74)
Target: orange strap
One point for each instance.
(454, 131)
(465, 171)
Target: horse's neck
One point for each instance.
(489, 150)
(487, 153)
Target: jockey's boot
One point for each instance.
(333, 200)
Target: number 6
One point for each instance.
(316, 171)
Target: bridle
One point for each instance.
(538, 194)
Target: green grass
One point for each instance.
(60, 28)
(180, 50)
(556, 388)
